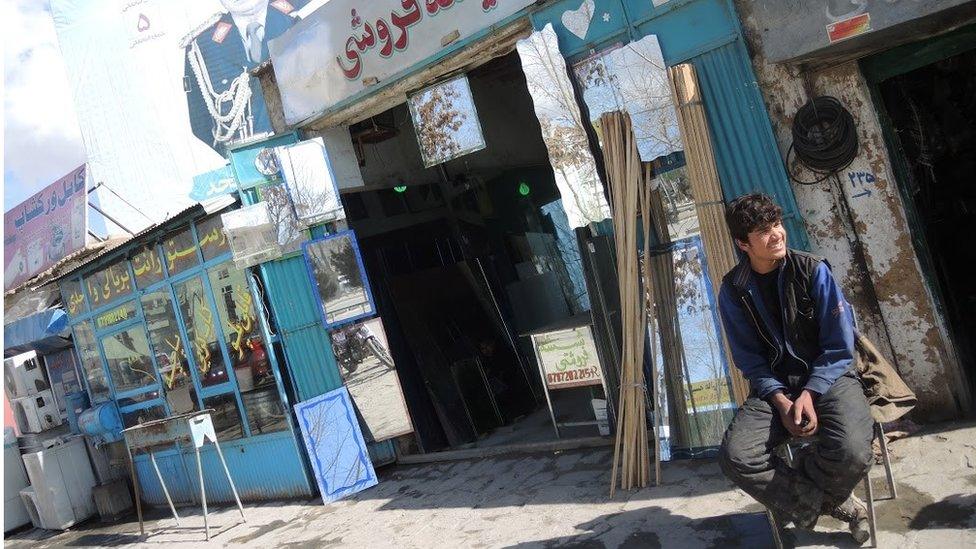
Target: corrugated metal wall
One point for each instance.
(248, 461)
(705, 33)
(745, 149)
(308, 350)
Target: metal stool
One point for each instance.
(892, 491)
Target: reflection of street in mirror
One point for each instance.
(368, 370)
(339, 278)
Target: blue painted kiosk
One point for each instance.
(167, 325)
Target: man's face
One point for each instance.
(766, 243)
(243, 7)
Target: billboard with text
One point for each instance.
(45, 228)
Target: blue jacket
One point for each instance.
(818, 322)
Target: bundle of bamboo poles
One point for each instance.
(706, 189)
(623, 166)
(664, 295)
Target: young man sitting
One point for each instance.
(791, 333)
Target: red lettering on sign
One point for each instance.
(384, 31)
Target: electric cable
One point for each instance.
(824, 138)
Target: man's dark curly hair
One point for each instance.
(751, 212)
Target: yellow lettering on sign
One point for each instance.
(113, 317)
(173, 255)
(74, 302)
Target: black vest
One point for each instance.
(800, 325)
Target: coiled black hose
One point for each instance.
(824, 138)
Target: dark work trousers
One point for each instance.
(825, 475)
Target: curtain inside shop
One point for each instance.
(689, 248)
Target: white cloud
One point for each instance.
(42, 141)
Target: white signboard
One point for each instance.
(568, 358)
(359, 44)
(161, 88)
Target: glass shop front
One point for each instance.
(171, 326)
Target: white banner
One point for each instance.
(359, 44)
(159, 92)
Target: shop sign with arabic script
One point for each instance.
(568, 358)
(358, 44)
(45, 228)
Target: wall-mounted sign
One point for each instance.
(147, 267)
(213, 183)
(45, 228)
(116, 315)
(362, 44)
(73, 298)
(108, 284)
(568, 358)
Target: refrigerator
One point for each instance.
(61, 478)
(14, 480)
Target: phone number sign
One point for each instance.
(568, 358)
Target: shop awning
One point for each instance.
(44, 332)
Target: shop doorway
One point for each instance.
(464, 259)
(932, 115)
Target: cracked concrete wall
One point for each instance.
(858, 223)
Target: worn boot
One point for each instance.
(855, 514)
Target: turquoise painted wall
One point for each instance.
(705, 33)
(309, 359)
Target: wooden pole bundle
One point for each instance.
(623, 165)
(706, 189)
(646, 201)
(663, 292)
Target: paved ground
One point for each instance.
(547, 500)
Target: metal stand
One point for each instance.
(197, 427)
(868, 489)
(886, 459)
(169, 500)
(135, 488)
(545, 385)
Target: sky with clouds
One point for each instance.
(42, 141)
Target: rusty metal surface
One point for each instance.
(160, 432)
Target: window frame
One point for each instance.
(168, 285)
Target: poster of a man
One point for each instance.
(225, 103)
